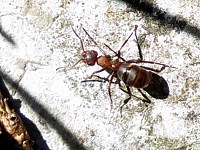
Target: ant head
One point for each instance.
(89, 57)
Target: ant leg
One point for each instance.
(147, 100)
(114, 52)
(102, 79)
(119, 51)
(149, 62)
(121, 88)
(92, 81)
(110, 49)
(93, 74)
(126, 100)
(138, 45)
(109, 91)
(155, 70)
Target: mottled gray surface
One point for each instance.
(36, 38)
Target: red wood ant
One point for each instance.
(127, 71)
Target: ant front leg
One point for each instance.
(102, 79)
(98, 71)
(138, 45)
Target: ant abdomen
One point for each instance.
(133, 75)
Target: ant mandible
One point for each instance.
(127, 71)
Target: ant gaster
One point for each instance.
(127, 71)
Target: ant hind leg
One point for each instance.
(146, 100)
(154, 70)
(126, 100)
(109, 89)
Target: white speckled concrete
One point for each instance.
(66, 111)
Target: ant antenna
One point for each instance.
(69, 67)
(81, 47)
(94, 42)
(79, 39)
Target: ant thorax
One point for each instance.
(104, 61)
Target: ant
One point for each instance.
(126, 71)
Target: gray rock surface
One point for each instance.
(36, 38)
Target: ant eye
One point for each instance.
(88, 57)
(84, 55)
